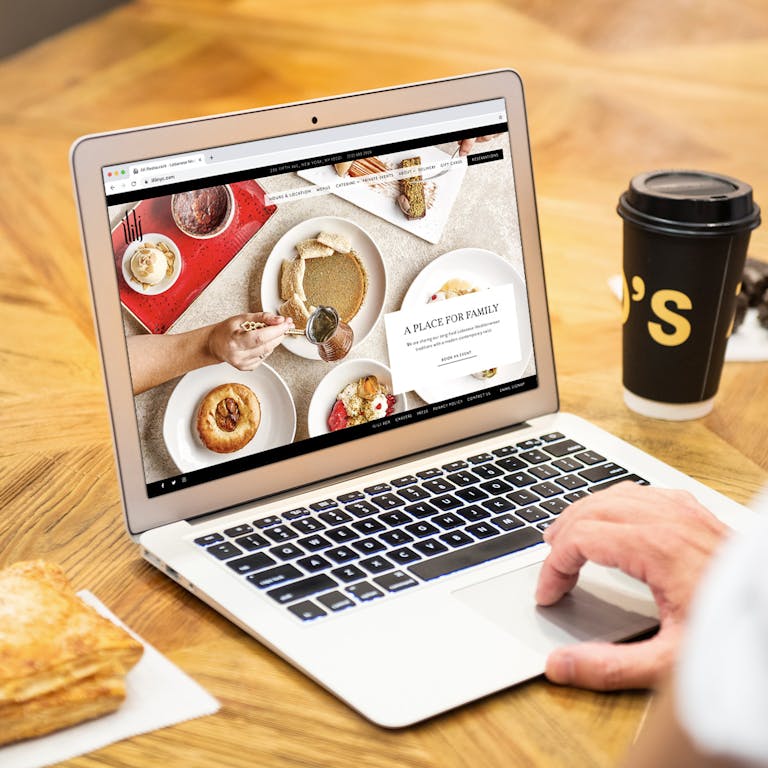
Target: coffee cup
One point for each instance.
(685, 243)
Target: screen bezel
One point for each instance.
(91, 153)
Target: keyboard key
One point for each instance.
(388, 501)
(511, 464)
(456, 538)
(448, 521)
(571, 482)
(281, 533)
(378, 564)
(321, 506)
(361, 508)
(308, 525)
(590, 457)
(211, 538)
(265, 522)
(535, 456)
(341, 554)
(531, 514)
(634, 478)
(526, 445)
(446, 502)
(372, 490)
(396, 581)
(313, 563)
(522, 497)
(480, 552)
(295, 514)
(401, 482)
(269, 578)
(563, 448)
(474, 514)
(255, 562)
(454, 466)
(224, 550)
(571, 497)
(395, 538)
(421, 529)
(463, 478)
(554, 506)
(547, 489)
(487, 471)
(303, 588)
(430, 547)
(251, 541)
(368, 546)
(496, 487)
(314, 543)
(335, 601)
(348, 573)
(602, 472)
(426, 474)
(364, 591)
(348, 498)
(471, 494)
(544, 471)
(507, 522)
(544, 524)
(403, 556)
(287, 551)
(520, 479)
(393, 519)
(567, 464)
(421, 509)
(342, 534)
(505, 450)
(480, 458)
(334, 517)
(238, 530)
(552, 436)
(438, 485)
(498, 504)
(307, 610)
(482, 530)
(369, 525)
(413, 493)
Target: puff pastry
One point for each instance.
(50, 644)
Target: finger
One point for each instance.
(611, 544)
(269, 318)
(608, 666)
(263, 340)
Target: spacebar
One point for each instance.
(477, 553)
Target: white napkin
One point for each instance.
(748, 344)
(158, 694)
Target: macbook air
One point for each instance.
(367, 495)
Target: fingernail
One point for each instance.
(560, 667)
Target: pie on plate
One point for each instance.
(228, 418)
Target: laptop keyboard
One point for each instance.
(337, 553)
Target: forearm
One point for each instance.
(155, 359)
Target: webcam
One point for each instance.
(314, 120)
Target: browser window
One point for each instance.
(392, 249)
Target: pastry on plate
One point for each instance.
(228, 418)
(337, 281)
(412, 201)
(292, 279)
(202, 212)
(61, 661)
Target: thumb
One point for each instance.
(606, 666)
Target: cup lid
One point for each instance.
(689, 201)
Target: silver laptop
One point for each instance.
(369, 500)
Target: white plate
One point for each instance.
(166, 282)
(335, 380)
(370, 256)
(278, 414)
(382, 200)
(483, 269)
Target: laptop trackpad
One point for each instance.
(605, 605)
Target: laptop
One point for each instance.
(366, 496)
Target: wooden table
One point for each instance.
(612, 88)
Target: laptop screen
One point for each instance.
(390, 250)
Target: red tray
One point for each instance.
(201, 260)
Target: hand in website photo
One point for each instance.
(662, 537)
(465, 145)
(155, 359)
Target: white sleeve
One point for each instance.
(722, 675)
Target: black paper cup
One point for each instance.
(685, 244)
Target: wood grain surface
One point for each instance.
(613, 89)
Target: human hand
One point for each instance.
(465, 145)
(245, 350)
(661, 537)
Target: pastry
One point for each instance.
(292, 279)
(342, 168)
(60, 660)
(754, 293)
(337, 281)
(312, 249)
(411, 200)
(202, 212)
(335, 242)
(452, 288)
(361, 401)
(228, 418)
(297, 309)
